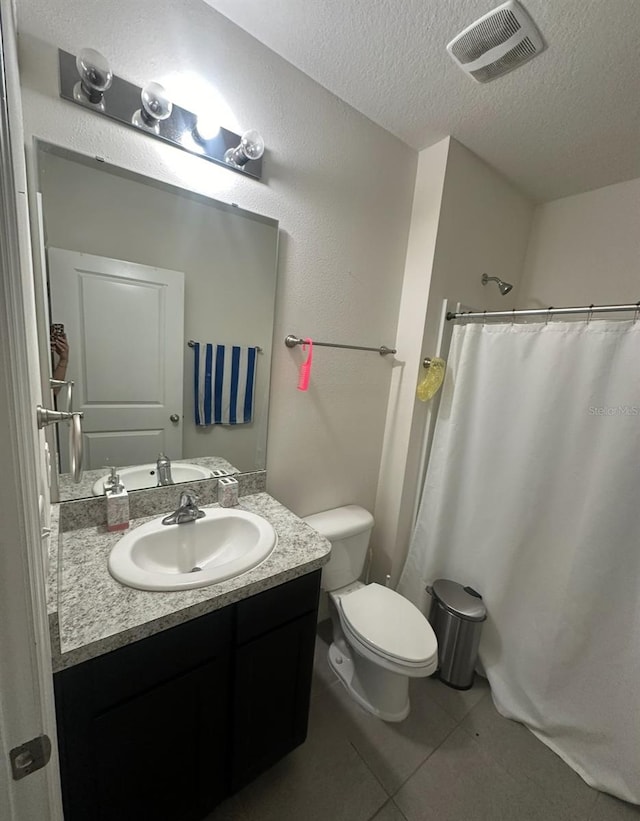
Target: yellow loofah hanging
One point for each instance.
(432, 381)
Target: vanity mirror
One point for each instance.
(136, 272)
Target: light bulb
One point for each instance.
(252, 144)
(156, 106)
(95, 76)
(251, 148)
(207, 127)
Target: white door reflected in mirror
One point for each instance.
(124, 323)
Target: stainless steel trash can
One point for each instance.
(456, 615)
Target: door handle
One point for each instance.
(68, 384)
(174, 417)
(46, 416)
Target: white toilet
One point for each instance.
(380, 639)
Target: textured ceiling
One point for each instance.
(566, 122)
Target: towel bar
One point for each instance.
(291, 341)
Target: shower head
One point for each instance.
(505, 287)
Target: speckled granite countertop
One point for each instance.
(90, 613)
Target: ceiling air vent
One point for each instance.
(502, 40)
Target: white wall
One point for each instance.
(482, 223)
(398, 439)
(585, 249)
(340, 186)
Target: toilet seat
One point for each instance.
(389, 626)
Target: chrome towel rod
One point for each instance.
(545, 312)
(191, 343)
(291, 341)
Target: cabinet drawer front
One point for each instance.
(269, 610)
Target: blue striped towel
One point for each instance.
(224, 384)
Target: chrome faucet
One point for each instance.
(163, 470)
(187, 511)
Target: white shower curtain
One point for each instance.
(532, 497)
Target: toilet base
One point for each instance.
(381, 692)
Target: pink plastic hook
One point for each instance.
(305, 368)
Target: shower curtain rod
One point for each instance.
(548, 312)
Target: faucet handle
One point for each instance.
(113, 479)
(188, 498)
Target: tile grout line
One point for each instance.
(390, 796)
(568, 814)
(398, 809)
(465, 716)
(425, 759)
(382, 787)
(386, 804)
(437, 747)
(337, 681)
(457, 723)
(526, 779)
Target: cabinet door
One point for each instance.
(144, 731)
(271, 703)
(162, 755)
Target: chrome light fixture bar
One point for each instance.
(149, 111)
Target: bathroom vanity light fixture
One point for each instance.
(88, 81)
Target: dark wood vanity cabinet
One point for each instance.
(273, 668)
(163, 729)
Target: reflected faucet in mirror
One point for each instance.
(163, 470)
(143, 477)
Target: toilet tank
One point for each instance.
(348, 529)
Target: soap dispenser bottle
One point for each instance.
(117, 503)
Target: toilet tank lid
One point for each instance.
(341, 522)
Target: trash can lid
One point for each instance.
(461, 601)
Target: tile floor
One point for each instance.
(453, 759)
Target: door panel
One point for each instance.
(271, 699)
(123, 323)
(162, 755)
(136, 444)
(118, 313)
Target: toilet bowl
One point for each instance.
(380, 639)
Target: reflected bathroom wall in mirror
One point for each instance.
(135, 270)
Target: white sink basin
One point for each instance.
(223, 544)
(140, 477)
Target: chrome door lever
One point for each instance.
(47, 416)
